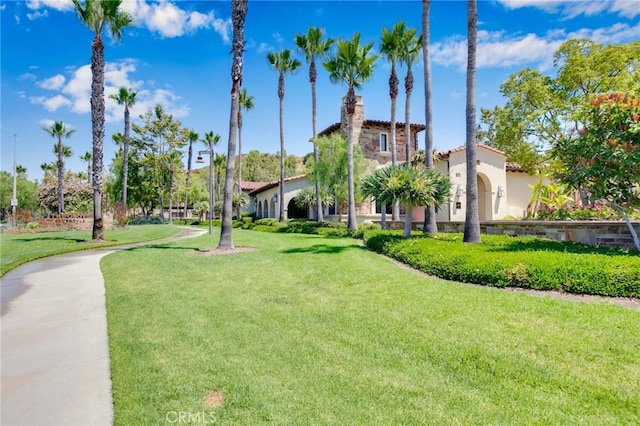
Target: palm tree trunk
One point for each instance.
(239, 212)
(408, 86)
(186, 191)
(97, 129)
(171, 195)
(393, 91)
(238, 14)
(408, 219)
(125, 159)
(472, 219)
(351, 200)
(60, 177)
(281, 183)
(430, 226)
(316, 154)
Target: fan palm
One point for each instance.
(283, 63)
(212, 139)
(430, 225)
(98, 15)
(126, 97)
(411, 46)
(87, 157)
(313, 46)
(191, 137)
(59, 130)
(472, 218)
(352, 65)
(246, 103)
(238, 14)
(412, 186)
(173, 160)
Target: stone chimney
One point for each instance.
(358, 119)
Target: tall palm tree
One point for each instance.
(238, 14)
(412, 44)
(313, 46)
(246, 103)
(430, 225)
(191, 137)
(48, 168)
(59, 130)
(472, 218)
(21, 170)
(87, 157)
(126, 97)
(391, 46)
(283, 63)
(211, 140)
(98, 15)
(352, 64)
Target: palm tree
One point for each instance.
(192, 137)
(283, 63)
(472, 218)
(238, 14)
(87, 157)
(412, 186)
(211, 140)
(430, 225)
(218, 164)
(412, 44)
(48, 168)
(312, 46)
(59, 130)
(353, 65)
(391, 48)
(126, 97)
(21, 170)
(97, 15)
(246, 103)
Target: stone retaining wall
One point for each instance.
(613, 234)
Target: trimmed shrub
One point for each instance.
(526, 262)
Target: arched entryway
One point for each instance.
(259, 209)
(295, 212)
(484, 198)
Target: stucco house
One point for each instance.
(502, 187)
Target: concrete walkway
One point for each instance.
(55, 353)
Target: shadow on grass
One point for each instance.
(322, 249)
(27, 240)
(168, 246)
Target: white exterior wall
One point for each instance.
(520, 192)
(291, 189)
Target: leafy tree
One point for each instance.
(430, 225)
(59, 130)
(353, 65)
(603, 155)
(306, 198)
(472, 218)
(126, 97)
(412, 186)
(211, 140)
(246, 103)
(331, 169)
(313, 46)
(77, 194)
(97, 15)
(26, 192)
(261, 166)
(238, 14)
(283, 63)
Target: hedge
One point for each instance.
(504, 261)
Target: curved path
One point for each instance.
(55, 353)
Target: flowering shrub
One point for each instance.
(578, 211)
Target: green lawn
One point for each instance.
(317, 330)
(22, 248)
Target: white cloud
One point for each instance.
(278, 38)
(61, 5)
(169, 20)
(27, 76)
(264, 47)
(37, 14)
(46, 122)
(496, 49)
(50, 104)
(52, 83)
(569, 9)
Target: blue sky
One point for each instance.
(177, 54)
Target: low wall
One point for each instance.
(613, 234)
(78, 222)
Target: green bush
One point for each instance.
(516, 262)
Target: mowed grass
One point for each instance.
(21, 248)
(314, 330)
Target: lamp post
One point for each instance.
(199, 160)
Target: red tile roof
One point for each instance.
(269, 185)
(416, 127)
(445, 154)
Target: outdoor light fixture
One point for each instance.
(459, 191)
(500, 191)
(275, 198)
(200, 160)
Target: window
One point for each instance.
(383, 142)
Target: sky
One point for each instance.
(177, 54)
